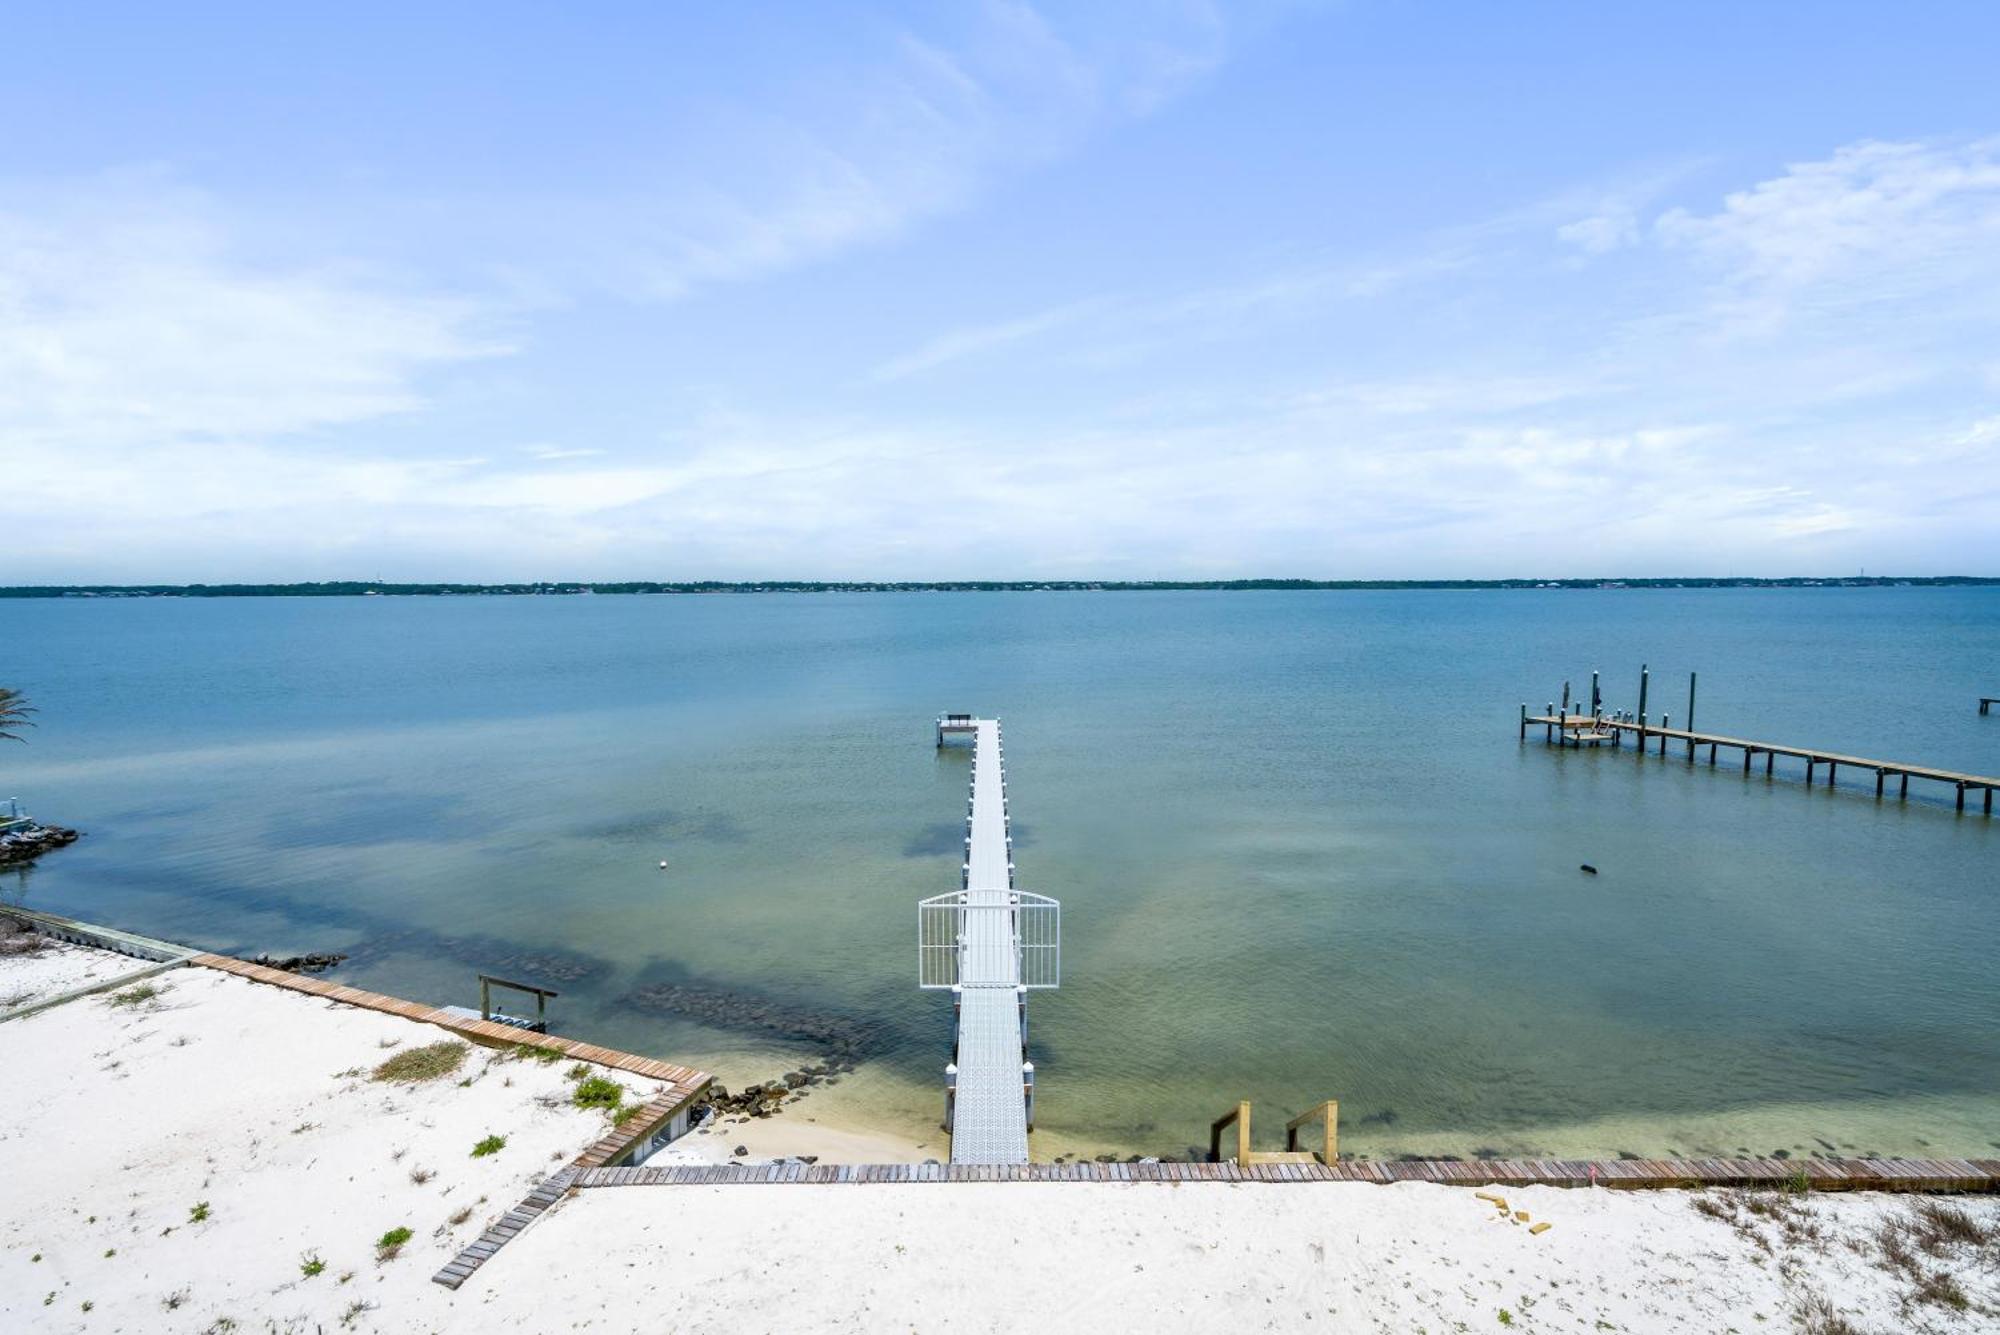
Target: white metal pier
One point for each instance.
(988, 944)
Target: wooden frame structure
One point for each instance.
(540, 1024)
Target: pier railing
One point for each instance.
(1032, 922)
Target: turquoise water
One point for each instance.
(1300, 851)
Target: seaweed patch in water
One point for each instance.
(723, 1008)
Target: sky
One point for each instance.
(1180, 290)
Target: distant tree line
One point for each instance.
(357, 588)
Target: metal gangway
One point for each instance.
(988, 944)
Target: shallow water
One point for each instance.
(1300, 851)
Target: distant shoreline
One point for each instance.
(359, 589)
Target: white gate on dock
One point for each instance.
(1032, 924)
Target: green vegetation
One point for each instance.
(310, 1265)
(599, 1092)
(528, 1051)
(133, 996)
(198, 1212)
(14, 711)
(391, 1243)
(430, 1062)
(490, 1145)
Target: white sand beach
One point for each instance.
(56, 967)
(181, 1160)
(1220, 1256)
(216, 1157)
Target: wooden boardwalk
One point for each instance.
(1927, 1175)
(1555, 726)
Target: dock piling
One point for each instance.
(1643, 677)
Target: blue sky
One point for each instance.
(1340, 290)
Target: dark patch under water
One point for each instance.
(730, 1008)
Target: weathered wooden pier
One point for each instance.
(988, 944)
(1561, 726)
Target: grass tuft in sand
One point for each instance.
(433, 1061)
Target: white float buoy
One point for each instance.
(663, 864)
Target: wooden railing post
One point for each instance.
(1241, 1116)
(1329, 1113)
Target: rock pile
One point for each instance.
(766, 1099)
(300, 963)
(28, 844)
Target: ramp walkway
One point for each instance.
(988, 944)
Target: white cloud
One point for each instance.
(1875, 223)
(1601, 233)
(919, 131)
(125, 317)
(550, 452)
(961, 343)
(1529, 415)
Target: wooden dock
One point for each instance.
(1923, 1175)
(1573, 728)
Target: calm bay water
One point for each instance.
(1300, 852)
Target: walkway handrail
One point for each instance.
(1329, 1111)
(1241, 1116)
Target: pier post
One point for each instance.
(1881, 776)
(1028, 1091)
(1524, 720)
(1565, 712)
(950, 1093)
(1666, 721)
(1689, 725)
(1748, 752)
(1833, 773)
(1905, 793)
(1809, 771)
(1961, 797)
(1548, 730)
(1643, 675)
(1595, 698)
